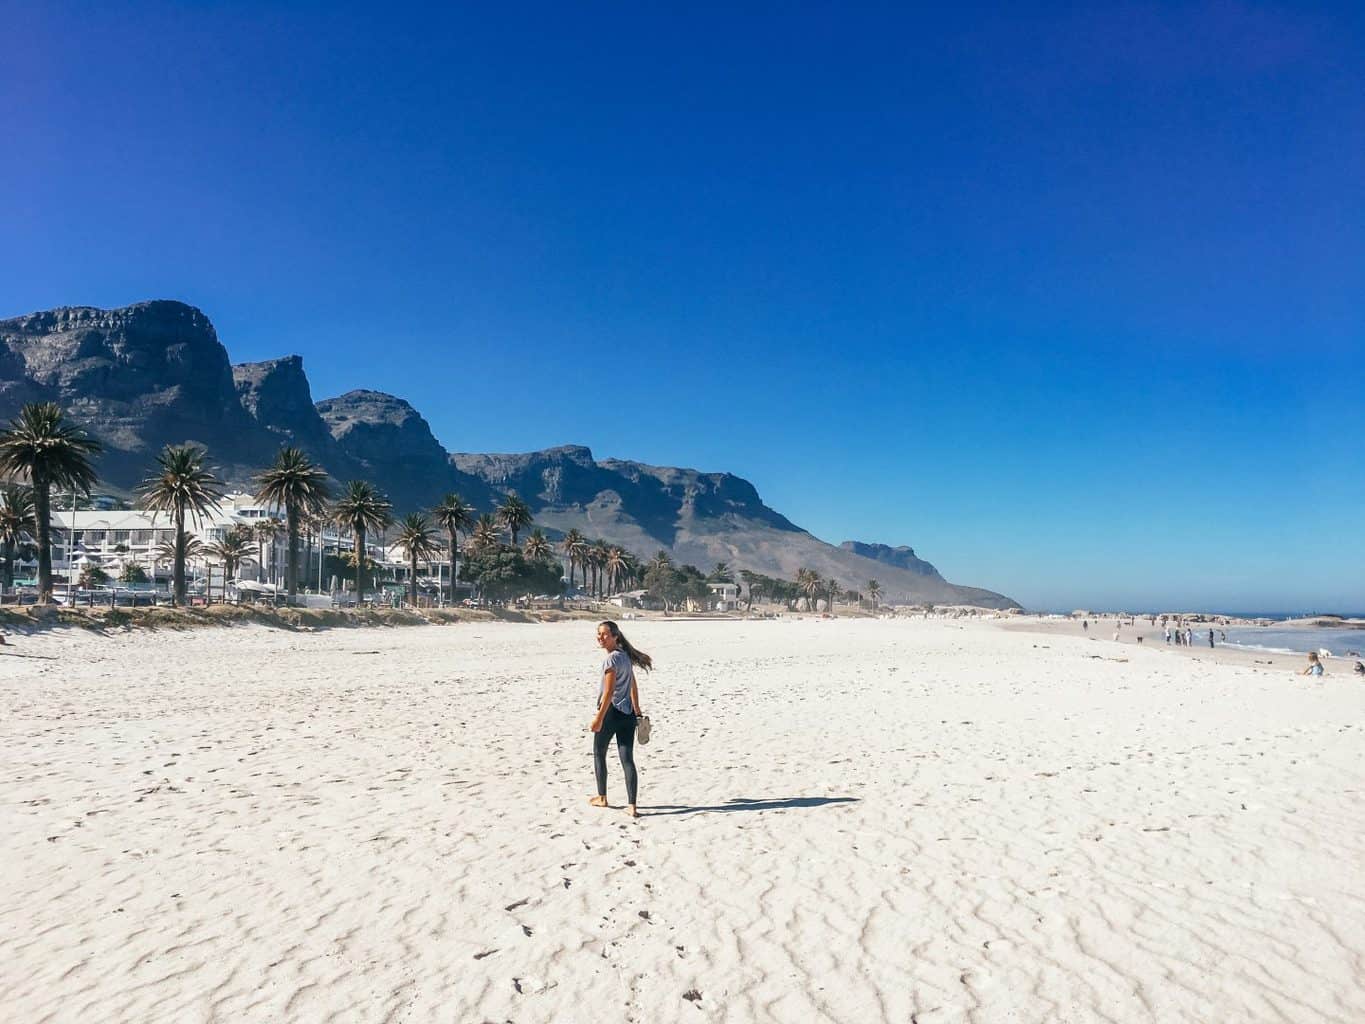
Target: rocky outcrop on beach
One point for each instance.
(155, 373)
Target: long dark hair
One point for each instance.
(637, 658)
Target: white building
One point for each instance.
(113, 539)
(724, 596)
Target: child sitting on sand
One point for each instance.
(1314, 665)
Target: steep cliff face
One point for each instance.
(900, 557)
(701, 518)
(154, 374)
(138, 377)
(276, 395)
(390, 443)
(658, 500)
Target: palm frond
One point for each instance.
(183, 485)
(42, 446)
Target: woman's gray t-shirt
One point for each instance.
(619, 662)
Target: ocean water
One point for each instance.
(1340, 641)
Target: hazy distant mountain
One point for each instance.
(155, 373)
(901, 557)
(701, 518)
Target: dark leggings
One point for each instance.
(621, 725)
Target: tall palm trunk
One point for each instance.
(413, 581)
(42, 509)
(9, 565)
(454, 563)
(359, 565)
(178, 568)
(292, 563)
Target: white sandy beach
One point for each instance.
(845, 821)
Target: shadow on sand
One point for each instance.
(741, 804)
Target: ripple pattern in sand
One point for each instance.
(857, 821)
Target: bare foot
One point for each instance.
(631, 812)
(598, 801)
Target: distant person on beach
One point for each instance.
(1314, 667)
(1085, 625)
(1168, 634)
(1210, 638)
(1359, 669)
(618, 711)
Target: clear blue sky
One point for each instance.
(1072, 301)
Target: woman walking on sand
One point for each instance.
(618, 711)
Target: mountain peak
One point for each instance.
(154, 373)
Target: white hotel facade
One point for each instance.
(113, 539)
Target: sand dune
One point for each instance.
(851, 821)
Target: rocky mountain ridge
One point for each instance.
(155, 373)
(901, 557)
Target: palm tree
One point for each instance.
(750, 579)
(721, 573)
(514, 515)
(453, 515)
(184, 488)
(809, 583)
(874, 591)
(316, 524)
(361, 509)
(16, 525)
(832, 586)
(417, 540)
(485, 535)
(232, 551)
(615, 564)
(572, 546)
(661, 560)
(265, 530)
(597, 558)
(633, 572)
(537, 547)
(40, 445)
(588, 559)
(169, 550)
(298, 485)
